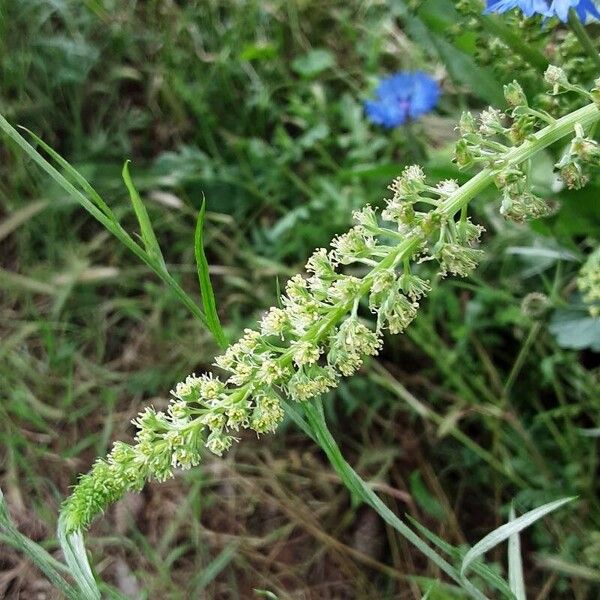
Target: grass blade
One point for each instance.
(206, 290)
(212, 570)
(505, 531)
(515, 563)
(148, 236)
(488, 575)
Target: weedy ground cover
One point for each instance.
(489, 400)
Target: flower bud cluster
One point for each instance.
(485, 141)
(302, 348)
(322, 330)
(582, 153)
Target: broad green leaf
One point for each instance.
(503, 532)
(574, 328)
(579, 215)
(206, 290)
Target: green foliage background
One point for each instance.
(258, 107)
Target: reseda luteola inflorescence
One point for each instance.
(319, 334)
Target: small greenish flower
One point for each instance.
(318, 335)
(514, 94)
(556, 78)
(490, 122)
(458, 259)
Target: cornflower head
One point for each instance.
(403, 97)
(546, 8)
(322, 330)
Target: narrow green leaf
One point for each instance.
(578, 571)
(107, 220)
(505, 531)
(210, 572)
(148, 237)
(64, 183)
(265, 594)
(74, 551)
(488, 575)
(206, 290)
(428, 594)
(515, 563)
(75, 175)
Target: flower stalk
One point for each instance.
(322, 331)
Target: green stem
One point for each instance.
(547, 136)
(584, 38)
(317, 429)
(520, 360)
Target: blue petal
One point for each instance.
(587, 6)
(528, 7)
(401, 97)
(556, 8)
(500, 6)
(561, 8)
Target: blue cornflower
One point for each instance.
(546, 8)
(402, 97)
